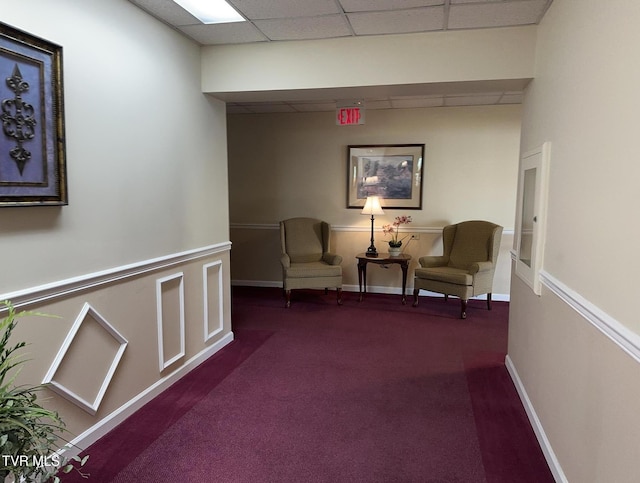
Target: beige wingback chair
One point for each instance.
(306, 260)
(466, 266)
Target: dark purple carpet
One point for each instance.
(367, 392)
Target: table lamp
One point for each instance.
(372, 207)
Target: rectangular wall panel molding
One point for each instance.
(213, 295)
(170, 317)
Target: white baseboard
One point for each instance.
(370, 289)
(545, 445)
(98, 430)
(256, 283)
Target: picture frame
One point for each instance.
(391, 171)
(32, 140)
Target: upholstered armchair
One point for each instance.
(466, 267)
(306, 260)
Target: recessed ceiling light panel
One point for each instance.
(211, 11)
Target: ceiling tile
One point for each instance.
(378, 104)
(511, 98)
(413, 102)
(304, 28)
(476, 1)
(472, 100)
(168, 11)
(224, 33)
(375, 5)
(306, 19)
(501, 14)
(237, 109)
(399, 21)
(395, 102)
(261, 9)
(266, 107)
(313, 106)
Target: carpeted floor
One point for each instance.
(367, 392)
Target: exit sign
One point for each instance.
(349, 115)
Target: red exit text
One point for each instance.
(347, 116)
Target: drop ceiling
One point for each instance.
(296, 20)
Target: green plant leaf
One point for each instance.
(26, 428)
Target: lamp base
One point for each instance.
(372, 252)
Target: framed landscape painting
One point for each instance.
(393, 172)
(32, 150)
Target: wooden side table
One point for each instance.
(382, 259)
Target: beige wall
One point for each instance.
(576, 348)
(147, 180)
(146, 150)
(295, 165)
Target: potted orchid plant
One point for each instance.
(393, 229)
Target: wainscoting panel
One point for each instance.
(154, 308)
(576, 369)
(102, 346)
(213, 291)
(626, 339)
(170, 307)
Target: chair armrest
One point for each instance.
(331, 258)
(480, 267)
(285, 260)
(432, 261)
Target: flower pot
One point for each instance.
(394, 250)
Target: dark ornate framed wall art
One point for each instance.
(32, 143)
(391, 171)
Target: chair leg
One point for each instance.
(339, 290)
(326, 290)
(416, 291)
(287, 294)
(489, 301)
(463, 309)
(446, 298)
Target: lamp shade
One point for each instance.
(372, 206)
